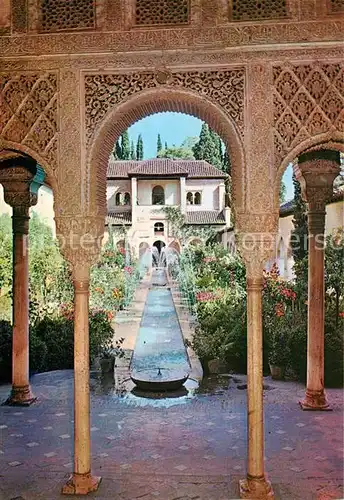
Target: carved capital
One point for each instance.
(21, 178)
(256, 249)
(316, 171)
(80, 238)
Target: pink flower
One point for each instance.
(128, 269)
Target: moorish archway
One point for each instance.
(215, 97)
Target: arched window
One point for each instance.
(197, 198)
(126, 199)
(118, 199)
(159, 227)
(189, 198)
(158, 195)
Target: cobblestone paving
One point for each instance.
(192, 447)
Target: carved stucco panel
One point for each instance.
(259, 139)
(308, 102)
(69, 148)
(105, 91)
(29, 113)
(180, 38)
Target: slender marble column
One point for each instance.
(316, 172)
(21, 179)
(21, 392)
(81, 482)
(255, 486)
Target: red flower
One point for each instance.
(341, 314)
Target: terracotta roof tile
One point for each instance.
(118, 218)
(205, 217)
(163, 167)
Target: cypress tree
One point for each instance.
(139, 148)
(132, 151)
(117, 152)
(207, 148)
(125, 146)
(158, 145)
(299, 235)
(166, 146)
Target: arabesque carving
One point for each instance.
(80, 238)
(225, 88)
(56, 15)
(150, 12)
(308, 101)
(251, 10)
(29, 111)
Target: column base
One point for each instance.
(20, 396)
(315, 401)
(81, 484)
(256, 489)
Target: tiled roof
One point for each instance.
(118, 218)
(205, 217)
(163, 167)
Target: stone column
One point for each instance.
(133, 201)
(81, 481)
(21, 179)
(316, 172)
(182, 195)
(80, 241)
(255, 249)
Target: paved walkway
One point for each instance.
(192, 447)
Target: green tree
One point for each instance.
(132, 151)
(176, 152)
(117, 151)
(207, 147)
(282, 192)
(139, 148)
(166, 145)
(126, 154)
(299, 235)
(158, 145)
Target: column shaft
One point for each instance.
(21, 391)
(81, 481)
(255, 486)
(315, 394)
(82, 437)
(255, 467)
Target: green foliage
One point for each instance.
(125, 146)
(139, 148)
(5, 266)
(282, 192)
(132, 151)
(299, 235)
(5, 350)
(158, 145)
(174, 152)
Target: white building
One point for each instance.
(139, 191)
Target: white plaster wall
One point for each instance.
(209, 190)
(283, 255)
(171, 187)
(113, 187)
(334, 217)
(44, 207)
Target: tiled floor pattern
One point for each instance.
(188, 448)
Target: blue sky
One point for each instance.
(174, 128)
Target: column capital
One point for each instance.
(21, 178)
(256, 236)
(316, 171)
(256, 249)
(80, 238)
